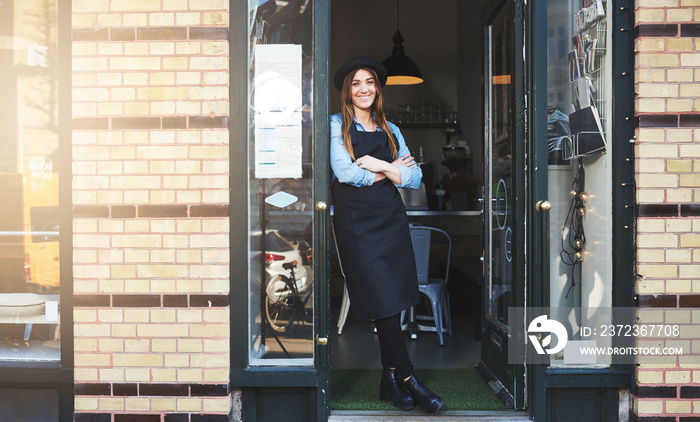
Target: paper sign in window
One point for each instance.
(277, 106)
(51, 310)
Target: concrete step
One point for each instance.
(449, 416)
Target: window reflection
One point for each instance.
(501, 194)
(580, 187)
(29, 174)
(280, 183)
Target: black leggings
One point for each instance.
(392, 343)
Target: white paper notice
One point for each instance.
(277, 106)
(51, 310)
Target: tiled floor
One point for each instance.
(358, 346)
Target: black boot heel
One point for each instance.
(390, 390)
(429, 401)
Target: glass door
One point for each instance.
(504, 193)
(580, 169)
(280, 186)
(580, 241)
(279, 212)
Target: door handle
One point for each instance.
(321, 206)
(321, 341)
(543, 206)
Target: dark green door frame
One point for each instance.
(321, 153)
(537, 152)
(238, 126)
(622, 17)
(545, 380)
(307, 387)
(493, 358)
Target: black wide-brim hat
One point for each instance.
(359, 63)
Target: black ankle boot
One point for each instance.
(429, 401)
(390, 390)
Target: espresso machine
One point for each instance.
(457, 183)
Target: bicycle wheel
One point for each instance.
(280, 303)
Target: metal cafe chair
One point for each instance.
(345, 305)
(435, 289)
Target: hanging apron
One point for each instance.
(374, 244)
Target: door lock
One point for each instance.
(321, 341)
(543, 206)
(321, 206)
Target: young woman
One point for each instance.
(369, 159)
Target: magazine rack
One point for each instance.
(587, 61)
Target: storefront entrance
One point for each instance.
(290, 326)
(291, 299)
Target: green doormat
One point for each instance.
(462, 389)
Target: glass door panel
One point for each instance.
(499, 192)
(579, 85)
(504, 182)
(280, 183)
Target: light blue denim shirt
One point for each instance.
(348, 172)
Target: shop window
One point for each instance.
(579, 79)
(30, 305)
(280, 181)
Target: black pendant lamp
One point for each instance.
(401, 69)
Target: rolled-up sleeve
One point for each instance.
(410, 177)
(342, 165)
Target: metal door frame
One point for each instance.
(311, 383)
(543, 379)
(510, 377)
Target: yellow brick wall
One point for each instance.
(150, 102)
(150, 193)
(667, 148)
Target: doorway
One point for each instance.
(452, 67)
(445, 40)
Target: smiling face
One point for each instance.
(363, 90)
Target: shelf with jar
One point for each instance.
(454, 126)
(423, 115)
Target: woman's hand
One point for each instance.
(375, 165)
(406, 161)
(383, 169)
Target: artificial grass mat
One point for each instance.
(461, 389)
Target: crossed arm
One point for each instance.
(366, 170)
(385, 170)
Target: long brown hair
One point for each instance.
(348, 113)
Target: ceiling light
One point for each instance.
(401, 69)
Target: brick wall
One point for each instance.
(667, 75)
(150, 194)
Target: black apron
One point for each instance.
(374, 244)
